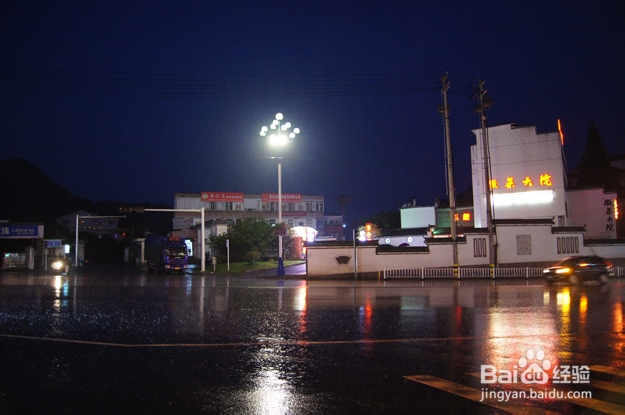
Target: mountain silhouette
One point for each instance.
(28, 195)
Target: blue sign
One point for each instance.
(19, 231)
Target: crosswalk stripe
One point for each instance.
(608, 370)
(591, 403)
(474, 395)
(607, 386)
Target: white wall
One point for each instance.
(519, 154)
(511, 250)
(418, 217)
(593, 209)
(395, 240)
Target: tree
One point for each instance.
(594, 169)
(250, 234)
(386, 220)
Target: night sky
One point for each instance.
(135, 101)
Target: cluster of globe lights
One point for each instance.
(280, 138)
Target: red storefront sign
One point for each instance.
(286, 197)
(221, 197)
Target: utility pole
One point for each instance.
(450, 177)
(484, 102)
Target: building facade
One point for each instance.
(527, 175)
(222, 209)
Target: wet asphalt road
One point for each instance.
(115, 340)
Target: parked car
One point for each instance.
(576, 269)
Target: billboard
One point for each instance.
(21, 231)
(221, 197)
(286, 197)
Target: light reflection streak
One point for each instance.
(58, 283)
(300, 304)
(583, 309)
(617, 317)
(617, 328)
(510, 335)
(272, 394)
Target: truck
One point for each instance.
(166, 254)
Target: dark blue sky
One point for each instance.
(134, 101)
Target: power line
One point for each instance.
(125, 84)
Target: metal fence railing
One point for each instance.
(459, 273)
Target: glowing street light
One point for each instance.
(281, 137)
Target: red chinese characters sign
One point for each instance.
(221, 197)
(286, 197)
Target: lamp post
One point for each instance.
(282, 136)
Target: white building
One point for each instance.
(593, 209)
(527, 175)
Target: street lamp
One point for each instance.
(283, 136)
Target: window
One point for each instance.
(309, 207)
(227, 205)
(291, 206)
(212, 206)
(479, 247)
(524, 244)
(320, 207)
(238, 206)
(568, 245)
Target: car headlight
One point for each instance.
(57, 264)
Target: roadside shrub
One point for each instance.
(252, 256)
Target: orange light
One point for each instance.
(561, 133)
(494, 184)
(615, 209)
(466, 216)
(510, 183)
(545, 180)
(528, 182)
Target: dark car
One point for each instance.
(576, 269)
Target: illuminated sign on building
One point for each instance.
(510, 183)
(523, 198)
(609, 205)
(221, 197)
(20, 231)
(286, 197)
(466, 217)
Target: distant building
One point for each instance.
(225, 208)
(96, 226)
(528, 182)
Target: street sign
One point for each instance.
(51, 243)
